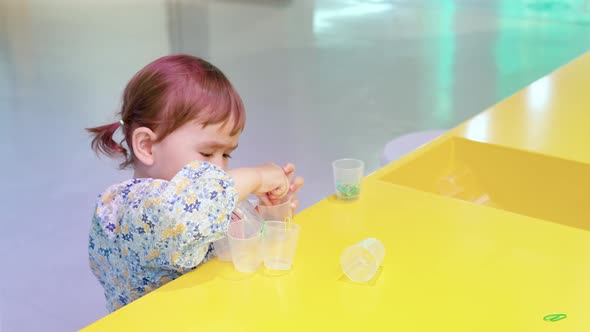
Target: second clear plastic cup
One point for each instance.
(280, 212)
(348, 174)
(221, 249)
(279, 241)
(361, 261)
(245, 245)
(245, 212)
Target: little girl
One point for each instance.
(181, 119)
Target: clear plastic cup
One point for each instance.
(279, 241)
(279, 212)
(222, 250)
(361, 261)
(245, 211)
(253, 200)
(245, 245)
(348, 174)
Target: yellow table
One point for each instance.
(486, 229)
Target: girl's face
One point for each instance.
(190, 142)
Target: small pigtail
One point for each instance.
(103, 140)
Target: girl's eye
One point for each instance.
(227, 156)
(206, 155)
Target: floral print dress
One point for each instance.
(147, 232)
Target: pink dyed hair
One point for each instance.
(165, 95)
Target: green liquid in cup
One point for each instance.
(349, 190)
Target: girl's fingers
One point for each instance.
(289, 169)
(295, 204)
(265, 200)
(296, 184)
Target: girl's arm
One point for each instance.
(195, 209)
(267, 178)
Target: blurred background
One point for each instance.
(320, 79)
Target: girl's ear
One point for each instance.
(143, 140)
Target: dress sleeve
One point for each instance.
(193, 210)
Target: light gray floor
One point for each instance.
(321, 80)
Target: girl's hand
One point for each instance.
(294, 185)
(274, 183)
